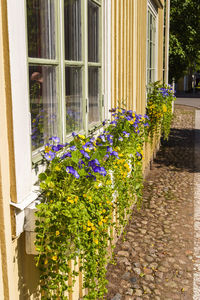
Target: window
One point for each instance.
(65, 67)
(151, 43)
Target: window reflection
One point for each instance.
(41, 28)
(72, 11)
(93, 32)
(93, 91)
(43, 104)
(73, 77)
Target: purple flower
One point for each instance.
(68, 154)
(146, 117)
(72, 171)
(104, 122)
(94, 162)
(85, 154)
(57, 148)
(146, 124)
(126, 134)
(72, 148)
(74, 134)
(55, 139)
(50, 156)
(114, 153)
(114, 123)
(80, 164)
(109, 149)
(100, 170)
(110, 138)
(139, 155)
(102, 137)
(88, 145)
(120, 139)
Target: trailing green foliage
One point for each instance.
(84, 183)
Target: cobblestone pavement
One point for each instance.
(155, 260)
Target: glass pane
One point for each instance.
(41, 28)
(72, 13)
(43, 104)
(93, 92)
(74, 118)
(93, 32)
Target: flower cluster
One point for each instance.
(85, 180)
(159, 108)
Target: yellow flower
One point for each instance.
(57, 233)
(57, 168)
(96, 241)
(47, 149)
(89, 223)
(131, 122)
(126, 166)
(87, 149)
(46, 261)
(81, 136)
(100, 223)
(76, 199)
(88, 228)
(54, 257)
(70, 200)
(164, 107)
(109, 182)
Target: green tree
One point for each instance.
(184, 51)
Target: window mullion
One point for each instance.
(85, 68)
(62, 70)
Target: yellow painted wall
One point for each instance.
(18, 274)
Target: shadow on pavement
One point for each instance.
(178, 152)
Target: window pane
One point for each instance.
(41, 28)
(43, 104)
(74, 118)
(72, 13)
(93, 92)
(93, 32)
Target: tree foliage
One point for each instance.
(184, 50)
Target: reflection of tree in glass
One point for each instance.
(37, 111)
(73, 121)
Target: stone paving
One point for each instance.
(155, 259)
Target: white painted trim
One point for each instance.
(20, 97)
(152, 8)
(107, 59)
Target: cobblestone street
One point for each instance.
(155, 259)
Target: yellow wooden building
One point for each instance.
(63, 65)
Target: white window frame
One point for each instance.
(27, 192)
(151, 7)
